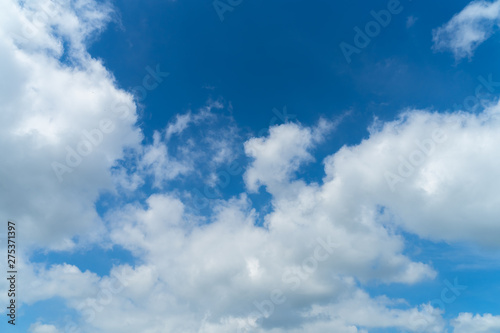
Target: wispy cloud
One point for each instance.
(468, 29)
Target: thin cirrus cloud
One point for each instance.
(306, 268)
(468, 29)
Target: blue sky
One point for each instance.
(226, 166)
(267, 55)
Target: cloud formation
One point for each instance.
(64, 122)
(466, 322)
(304, 264)
(468, 29)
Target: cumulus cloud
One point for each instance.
(63, 123)
(437, 173)
(277, 157)
(363, 310)
(320, 239)
(468, 29)
(317, 248)
(239, 264)
(66, 281)
(304, 265)
(312, 248)
(467, 322)
(45, 25)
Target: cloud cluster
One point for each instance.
(322, 242)
(304, 265)
(317, 248)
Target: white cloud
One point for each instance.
(189, 146)
(362, 310)
(66, 281)
(52, 171)
(182, 121)
(466, 322)
(180, 124)
(320, 244)
(157, 161)
(43, 25)
(468, 29)
(186, 254)
(41, 328)
(438, 174)
(277, 157)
